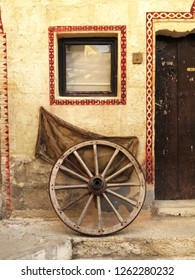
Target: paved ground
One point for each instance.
(148, 237)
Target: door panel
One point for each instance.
(186, 117)
(174, 118)
(165, 119)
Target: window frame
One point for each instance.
(70, 31)
(64, 42)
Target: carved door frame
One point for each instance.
(151, 18)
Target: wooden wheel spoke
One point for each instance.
(74, 173)
(96, 159)
(114, 209)
(84, 210)
(83, 163)
(100, 226)
(119, 172)
(110, 162)
(75, 201)
(130, 184)
(134, 203)
(66, 187)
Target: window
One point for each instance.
(87, 66)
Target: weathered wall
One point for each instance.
(26, 26)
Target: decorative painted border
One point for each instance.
(70, 29)
(150, 17)
(4, 122)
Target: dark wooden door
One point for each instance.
(175, 118)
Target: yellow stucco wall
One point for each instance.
(26, 25)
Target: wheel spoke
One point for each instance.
(84, 210)
(114, 209)
(74, 173)
(75, 201)
(110, 162)
(83, 163)
(100, 227)
(123, 184)
(62, 187)
(134, 203)
(96, 159)
(119, 172)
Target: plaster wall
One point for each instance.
(26, 26)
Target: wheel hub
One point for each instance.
(97, 185)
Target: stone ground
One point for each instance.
(148, 237)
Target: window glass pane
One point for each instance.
(88, 68)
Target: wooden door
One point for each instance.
(175, 118)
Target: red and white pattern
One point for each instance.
(83, 29)
(4, 123)
(150, 17)
(192, 11)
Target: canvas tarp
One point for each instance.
(55, 136)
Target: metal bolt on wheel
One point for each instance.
(97, 187)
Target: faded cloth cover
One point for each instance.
(55, 136)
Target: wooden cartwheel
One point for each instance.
(97, 187)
